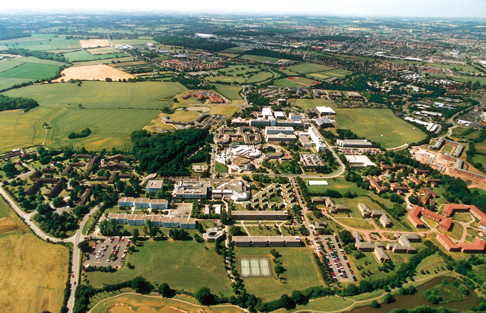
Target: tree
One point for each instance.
(375, 304)
(164, 290)
(235, 230)
(204, 296)
(141, 285)
(275, 253)
(57, 202)
(135, 235)
(200, 228)
(279, 269)
(298, 297)
(84, 246)
(153, 232)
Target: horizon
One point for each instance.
(428, 9)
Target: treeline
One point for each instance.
(84, 133)
(194, 43)
(37, 54)
(274, 54)
(6, 33)
(9, 103)
(166, 153)
(472, 151)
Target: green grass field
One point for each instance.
(86, 56)
(309, 104)
(42, 42)
(21, 129)
(221, 168)
(6, 83)
(319, 76)
(102, 95)
(258, 58)
(300, 272)
(7, 64)
(307, 68)
(182, 264)
(31, 71)
(110, 127)
(105, 61)
(230, 92)
(249, 74)
(284, 82)
(378, 125)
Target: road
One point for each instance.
(75, 239)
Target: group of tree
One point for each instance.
(194, 43)
(166, 153)
(10, 103)
(274, 54)
(37, 54)
(84, 133)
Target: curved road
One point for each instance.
(75, 239)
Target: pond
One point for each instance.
(418, 299)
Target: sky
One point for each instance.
(359, 8)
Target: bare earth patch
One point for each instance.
(93, 43)
(93, 72)
(200, 109)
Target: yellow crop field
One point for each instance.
(34, 272)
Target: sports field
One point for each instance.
(110, 127)
(181, 264)
(284, 82)
(97, 95)
(309, 104)
(86, 56)
(300, 271)
(319, 76)
(255, 267)
(304, 81)
(306, 68)
(379, 125)
(34, 273)
(258, 58)
(230, 92)
(240, 74)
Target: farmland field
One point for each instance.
(6, 83)
(34, 272)
(110, 127)
(141, 95)
(21, 129)
(31, 71)
(309, 104)
(181, 264)
(7, 64)
(86, 56)
(300, 272)
(93, 72)
(378, 125)
(105, 61)
(304, 81)
(306, 68)
(43, 42)
(230, 92)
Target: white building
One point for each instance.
(359, 161)
(267, 113)
(296, 117)
(326, 111)
(316, 139)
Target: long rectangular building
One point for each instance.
(266, 241)
(155, 220)
(143, 203)
(259, 215)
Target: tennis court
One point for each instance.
(255, 267)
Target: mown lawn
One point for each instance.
(184, 265)
(300, 272)
(230, 92)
